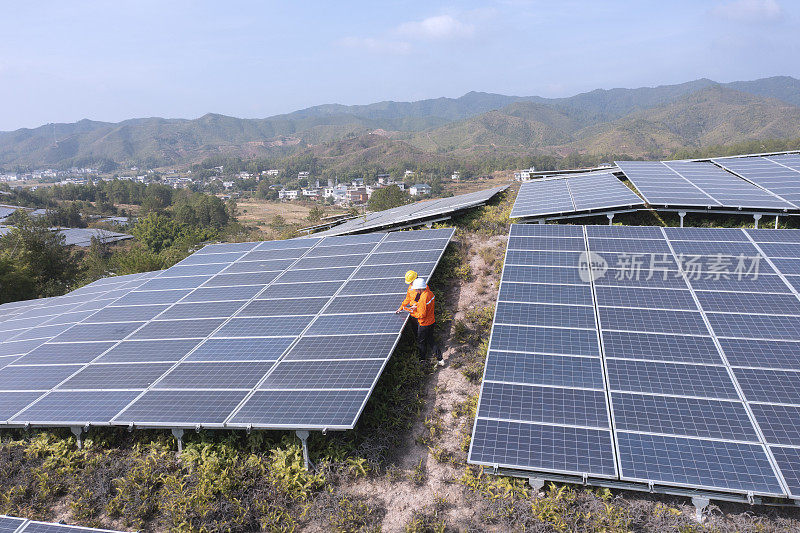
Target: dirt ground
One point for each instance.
(444, 389)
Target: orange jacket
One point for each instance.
(420, 305)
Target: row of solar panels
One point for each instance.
(10, 524)
(662, 356)
(764, 184)
(82, 236)
(276, 334)
(415, 213)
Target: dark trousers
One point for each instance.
(426, 343)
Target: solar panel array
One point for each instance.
(674, 361)
(698, 184)
(777, 174)
(84, 236)
(574, 194)
(276, 334)
(9, 524)
(416, 212)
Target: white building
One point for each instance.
(419, 189)
(456, 176)
(271, 172)
(408, 173)
(303, 175)
(311, 193)
(227, 184)
(524, 175)
(288, 194)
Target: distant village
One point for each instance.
(332, 191)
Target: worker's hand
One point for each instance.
(397, 312)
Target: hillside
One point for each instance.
(649, 120)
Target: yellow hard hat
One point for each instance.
(410, 276)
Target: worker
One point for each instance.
(419, 303)
(410, 276)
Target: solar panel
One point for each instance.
(768, 173)
(581, 193)
(416, 213)
(698, 184)
(699, 376)
(211, 348)
(10, 524)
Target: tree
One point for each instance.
(16, 282)
(157, 232)
(316, 214)
(34, 248)
(386, 198)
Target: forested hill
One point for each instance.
(643, 121)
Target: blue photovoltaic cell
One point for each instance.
(639, 278)
(342, 347)
(756, 326)
(749, 302)
(241, 349)
(34, 377)
(763, 283)
(13, 402)
(185, 407)
(264, 326)
(652, 320)
(538, 369)
(295, 306)
(526, 403)
(647, 298)
(541, 258)
(628, 246)
(760, 353)
(550, 244)
(696, 463)
(83, 406)
(773, 386)
(247, 278)
(545, 230)
(545, 340)
(202, 310)
(116, 376)
(533, 274)
(779, 423)
(543, 448)
(355, 374)
(149, 351)
(98, 332)
(788, 460)
(226, 375)
(677, 348)
(771, 235)
(67, 353)
(300, 409)
(541, 293)
(178, 329)
(567, 316)
(665, 378)
(660, 185)
(690, 417)
(357, 324)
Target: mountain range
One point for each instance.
(649, 121)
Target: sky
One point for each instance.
(110, 61)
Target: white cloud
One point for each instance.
(749, 10)
(439, 28)
(376, 45)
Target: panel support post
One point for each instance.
(178, 434)
(776, 221)
(536, 484)
(541, 221)
(681, 214)
(77, 431)
(610, 219)
(700, 503)
(303, 436)
(757, 217)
